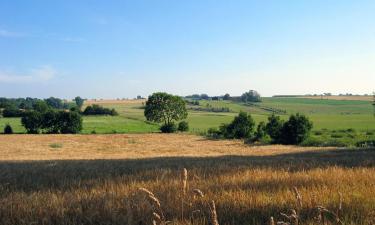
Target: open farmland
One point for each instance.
(336, 122)
(88, 179)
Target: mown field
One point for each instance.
(336, 122)
(95, 179)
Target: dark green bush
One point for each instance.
(8, 129)
(273, 128)
(241, 127)
(32, 121)
(12, 111)
(168, 128)
(183, 126)
(99, 110)
(261, 131)
(52, 122)
(214, 133)
(296, 129)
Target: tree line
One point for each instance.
(51, 115)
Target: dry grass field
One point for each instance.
(95, 179)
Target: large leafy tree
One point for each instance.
(165, 108)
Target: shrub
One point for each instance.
(214, 133)
(241, 127)
(99, 110)
(296, 129)
(183, 126)
(52, 122)
(32, 121)
(69, 122)
(8, 129)
(273, 127)
(261, 131)
(168, 128)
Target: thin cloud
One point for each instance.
(39, 74)
(72, 39)
(10, 34)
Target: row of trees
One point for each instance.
(293, 131)
(52, 122)
(250, 96)
(99, 110)
(17, 107)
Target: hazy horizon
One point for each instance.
(121, 49)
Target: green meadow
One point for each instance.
(330, 117)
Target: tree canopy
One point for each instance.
(165, 108)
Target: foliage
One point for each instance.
(8, 129)
(241, 127)
(273, 127)
(79, 101)
(52, 122)
(55, 103)
(251, 96)
(168, 128)
(261, 131)
(226, 96)
(12, 111)
(296, 129)
(32, 121)
(214, 133)
(41, 106)
(183, 126)
(165, 108)
(99, 110)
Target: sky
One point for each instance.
(121, 49)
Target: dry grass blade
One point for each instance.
(184, 177)
(272, 222)
(298, 197)
(213, 214)
(198, 193)
(146, 191)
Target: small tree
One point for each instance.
(79, 102)
(261, 131)
(251, 96)
(165, 108)
(226, 96)
(242, 126)
(296, 129)
(8, 129)
(273, 128)
(69, 122)
(183, 126)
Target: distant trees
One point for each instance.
(165, 108)
(251, 96)
(226, 96)
(79, 102)
(99, 110)
(294, 131)
(52, 122)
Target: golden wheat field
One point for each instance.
(183, 179)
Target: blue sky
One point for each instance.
(116, 49)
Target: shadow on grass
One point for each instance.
(61, 174)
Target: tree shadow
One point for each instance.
(31, 176)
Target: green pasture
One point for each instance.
(326, 114)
